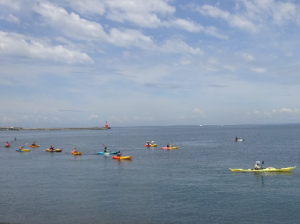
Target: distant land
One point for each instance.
(49, 129)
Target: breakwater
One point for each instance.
(49, 129)
(62, 129)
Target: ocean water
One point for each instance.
(189, 185)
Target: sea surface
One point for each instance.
(189, 185)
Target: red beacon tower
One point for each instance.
(106, 124)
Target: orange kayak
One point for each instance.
(76, 153)
(33, 146)
(122, 157)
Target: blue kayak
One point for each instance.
(108, 153)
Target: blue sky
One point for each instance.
(78, 63)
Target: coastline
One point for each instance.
(52, 129)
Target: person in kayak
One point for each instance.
(257, 165)
(21, 147)
(168, 145)
(236, 138)
(119, 154)
(51, 147)
(75, 150)
(33, 144)
(148, 144)
(7, 144)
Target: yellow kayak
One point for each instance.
(268, 169)
(174, 147)
(152, 145)
(122, 157)
(22, 150)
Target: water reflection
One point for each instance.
(273, 173)
(261, 176)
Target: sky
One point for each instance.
(79, 63)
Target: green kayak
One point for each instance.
(268, 169)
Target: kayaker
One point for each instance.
(168, 145)
(236, 138)
(7, 144)
(33, 144)
(105, 148)
(148, 143)
(21, 147)
(75, 150)
(257, 165)
(119, 154)
(51, 147)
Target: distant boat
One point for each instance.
(200, 125)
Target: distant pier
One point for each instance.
(58, 129)
(10, 128)
(51, 129)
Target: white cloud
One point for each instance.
(93, 116)
(46, 118)
(56, 119)
(12, 44)
(75, 27)
(178, 46)
(10, 18)
(184, 24)
(230, 68)
(234, 20)
(248, 57)
(199, 112)
(289, 111)
(258, 69)
(147, 14)
(275, 113)
(7, 119)
(127, 38)
(140, 12)
(212, 31)
(142, 118)
(284, 11)
(69, 24)
(12, 4)
(88, 7)
(257, 14)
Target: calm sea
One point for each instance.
(190, 185)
